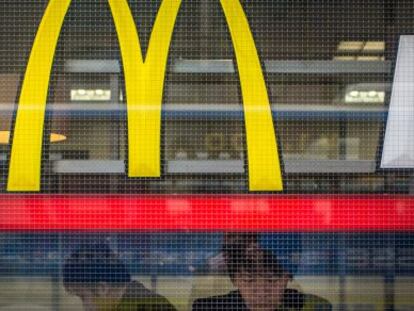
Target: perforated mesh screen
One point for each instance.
(328, 69)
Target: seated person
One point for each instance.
(260, 281)
(101, 280)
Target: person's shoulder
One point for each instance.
(138, 297)
(220, 302)
(317, 303)
(295, 300)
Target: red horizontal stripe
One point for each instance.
(304, 213)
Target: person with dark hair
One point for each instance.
(102, 281)
(260, 280)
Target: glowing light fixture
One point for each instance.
(344, 57)
(349, 46)
(90, 95)
(361, 50)
(374, 46)
(365, 96)
(357, 46)
(55, 138)
(359, 58)
(370, 58)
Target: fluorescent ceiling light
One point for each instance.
(359, 58)
(370, 58)
(365, 96)
(374, 46)
(349, 46)
(344, 57)
(54, 137)
(90, 95)
(361, 47)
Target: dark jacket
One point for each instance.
(233, 301)
(139, 298)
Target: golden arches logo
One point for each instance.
(144, 83)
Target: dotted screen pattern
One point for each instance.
(329, 143)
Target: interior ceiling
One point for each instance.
(282, 29)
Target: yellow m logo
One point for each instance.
(144, 83)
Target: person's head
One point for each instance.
(235, 241)
(255, 272)
(95, 274)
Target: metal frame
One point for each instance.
(226, 66)
(216, 166)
